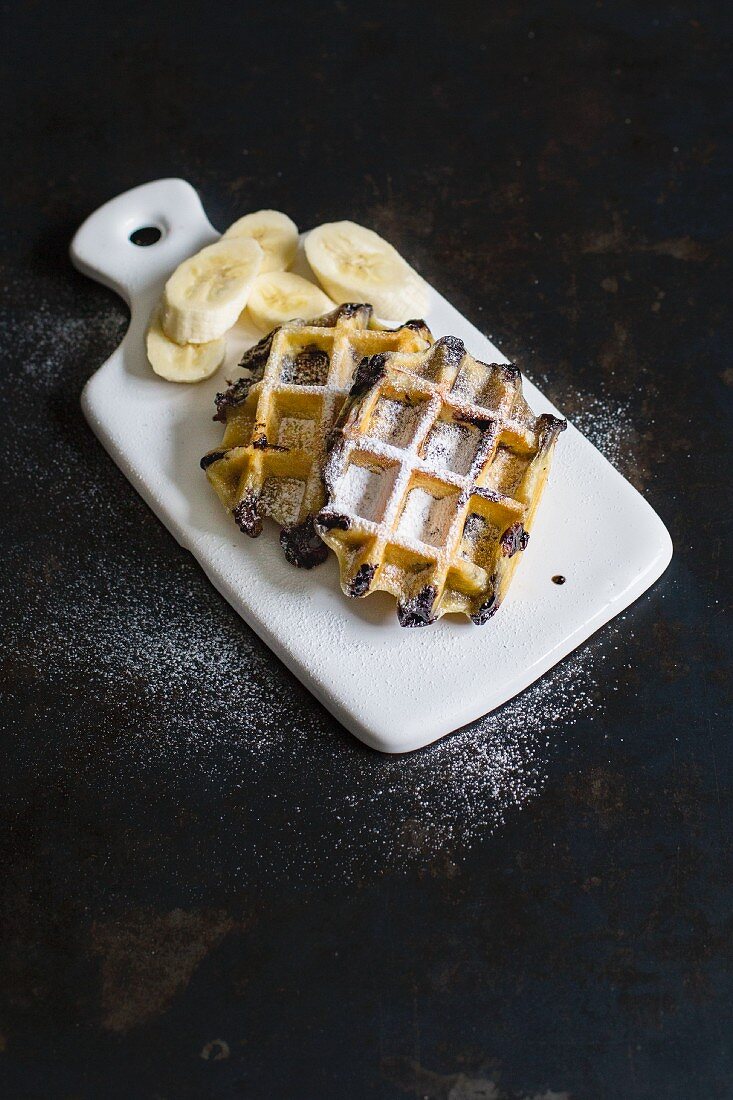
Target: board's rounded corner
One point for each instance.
(383, 739)
(665, 544)
(666, 549)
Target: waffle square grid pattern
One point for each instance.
(279, 414)
(435, 471)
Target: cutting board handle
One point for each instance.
(102, 247)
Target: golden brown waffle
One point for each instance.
(435, 471)
(278, 416)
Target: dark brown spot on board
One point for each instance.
(600, 792)
(617, 240)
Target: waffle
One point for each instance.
(278, 415)
(435, 471)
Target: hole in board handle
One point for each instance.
(146, 235)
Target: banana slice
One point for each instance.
(281, 296)
(354, 264)
(206, 293)
(275, 233)
(182, 362)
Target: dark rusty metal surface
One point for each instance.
(185, 916)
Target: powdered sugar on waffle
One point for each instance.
(426, 517)
(282, 497)
(451, 447)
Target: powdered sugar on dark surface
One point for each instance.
(133, 642)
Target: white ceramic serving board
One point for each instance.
(396, 689)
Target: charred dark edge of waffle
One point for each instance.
(417, 611)
(416, 324)
(247, 515)
(210, 458)
(328, 521)
(515, 538)
(350, 309)
(371, 370)
(450, 349)
(346, 309)
(487, 609)
(361, 582)
(550, 426)
(511, 372)
(302, 544)
(254, 360)
(235, 395)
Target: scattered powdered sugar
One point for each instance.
(43, 342)
(609, 427)
(151, 673)
(191, 693)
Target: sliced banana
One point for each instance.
(182, 362)
(275, 233)
(280, 296)
(354, 264)
(206, 293)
